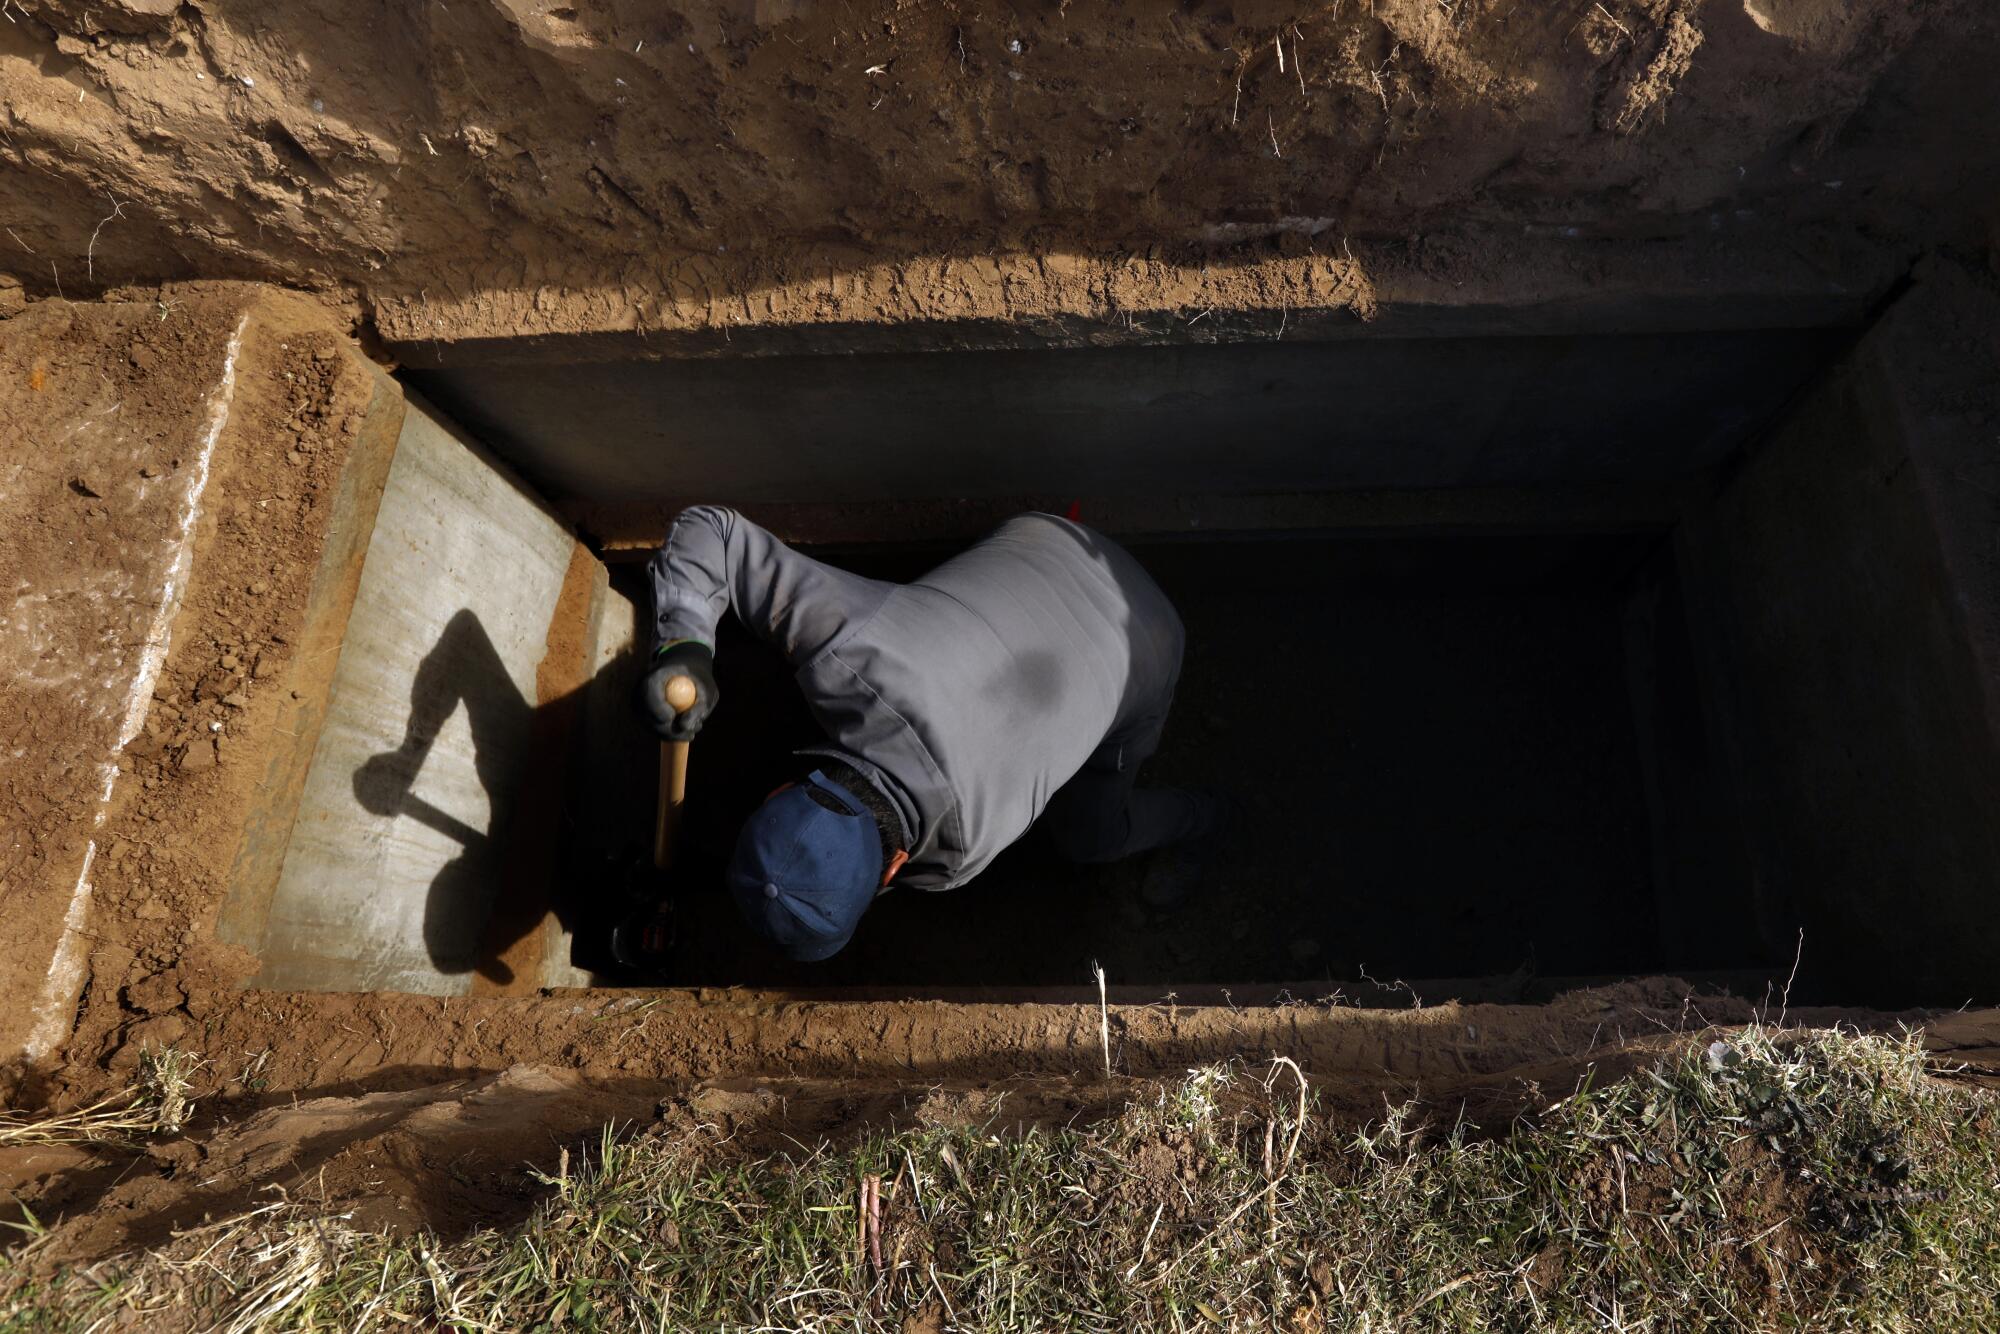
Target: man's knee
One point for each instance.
(1086, 836)
(1087, 845)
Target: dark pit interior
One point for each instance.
(1487, 655)
(1436, 744)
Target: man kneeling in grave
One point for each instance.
(1022, 681)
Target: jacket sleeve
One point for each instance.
(715, 560)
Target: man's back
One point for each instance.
(978, 689)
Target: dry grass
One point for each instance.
(1813, 1181)
(158, 1104)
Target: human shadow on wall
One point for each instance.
(486, 906)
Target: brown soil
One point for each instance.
(448, 1157)
(296, 407)
(91, 505)
(166, 836)
(529, 168)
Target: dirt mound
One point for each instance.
(446, 1157)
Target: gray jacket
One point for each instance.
(976, 691)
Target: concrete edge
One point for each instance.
(631, 532)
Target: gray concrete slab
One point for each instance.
(631, 532)
(421, 817)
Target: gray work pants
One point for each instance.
(1100, 815)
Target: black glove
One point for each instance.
(697, 663)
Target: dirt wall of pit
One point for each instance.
(144, 434)
(511, 168)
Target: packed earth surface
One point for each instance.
(317, 197)
(505, 169)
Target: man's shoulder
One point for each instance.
(1054, 532)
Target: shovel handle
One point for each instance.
(680, 695)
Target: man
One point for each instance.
(1025, 679)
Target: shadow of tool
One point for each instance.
(487, 906)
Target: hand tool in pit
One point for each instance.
(644, 937)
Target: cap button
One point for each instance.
(770, 890)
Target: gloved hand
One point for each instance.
(697, 663)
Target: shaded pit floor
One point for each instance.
(1433, 742)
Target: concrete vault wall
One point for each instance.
(420, 852)
(1847, 598)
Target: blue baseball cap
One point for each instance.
(804, 872)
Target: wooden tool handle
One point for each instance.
(680, 694)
